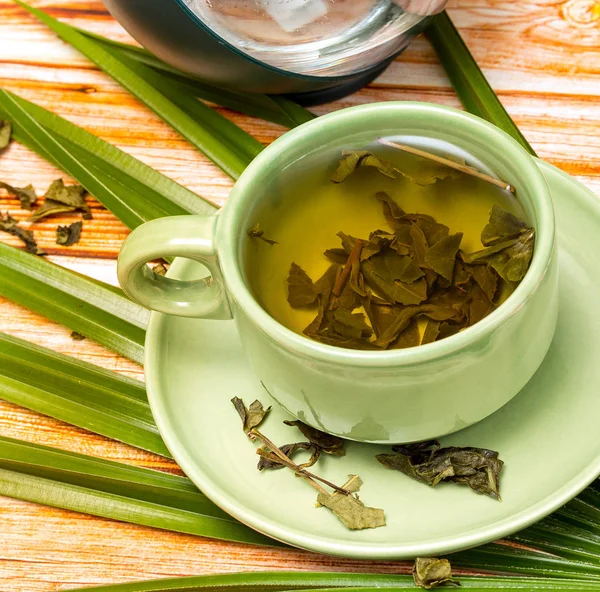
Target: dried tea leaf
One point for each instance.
(432, 330)
(5, 133)
(429, 572)
(410, 337)
(160, 269)
(301, 289)
(61, 198)
(76, 336)
(426, 462)
(27, 196)
(392, 212)
(350, 510)
(502, 226)
(325, 442)
(256, 232)
(68, 235)
(270, 461)
(251, 416)
(441, 256)
(352, 160)
(11, 226)
(337, 256)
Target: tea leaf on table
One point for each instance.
(251, 416)
(11, 226)
(301, 289)
(61, 198)
(429, 572)
(256, 232)
(68, 235)
(270, 461)
(352, 160)
(26, 195)
(441, 256)
(502, 226)
(5, 133)
(325, 442)
(350, 510)
(426, 462)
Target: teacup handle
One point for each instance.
(175, 236)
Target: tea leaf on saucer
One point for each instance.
(441, 256)
(26, 195)
(5, 133)
(11, 226)
(256, 232)
(251, 416)
(61, 198)
(270, 461)
(429, 572)
(426, 462)
(325, 442)
(352, 160)
(68, 235)
(301, 289)
(350, 510)
(502, 226)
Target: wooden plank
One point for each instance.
(542, 57)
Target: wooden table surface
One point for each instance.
(541, 56)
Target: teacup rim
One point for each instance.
(228, 237)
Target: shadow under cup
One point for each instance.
(398, 395)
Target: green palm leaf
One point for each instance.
(78, 393)
(223, 142)
(331, 582)
(132, 191)
(87, 306)
(113, 490)
(468, 80)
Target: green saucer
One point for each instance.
(547, 435)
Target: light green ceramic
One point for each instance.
(547, 435)
(392, 396)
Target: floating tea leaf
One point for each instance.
(426, 462)
(325, 442)
(502, 226)
(301, 289)
(68, 235)
(337, 255)
(5, 133)
(61, 198)
(429, 572)
(251, 416)
(432, 330)
(26, 195)
(11, 226)
(361, 158)
(430, 172)
(392, 212)
(441, 256)
(410, 337)
(350, 510)
(256, 232)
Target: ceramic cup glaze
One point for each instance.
(371, 396)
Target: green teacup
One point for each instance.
(370, 396)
